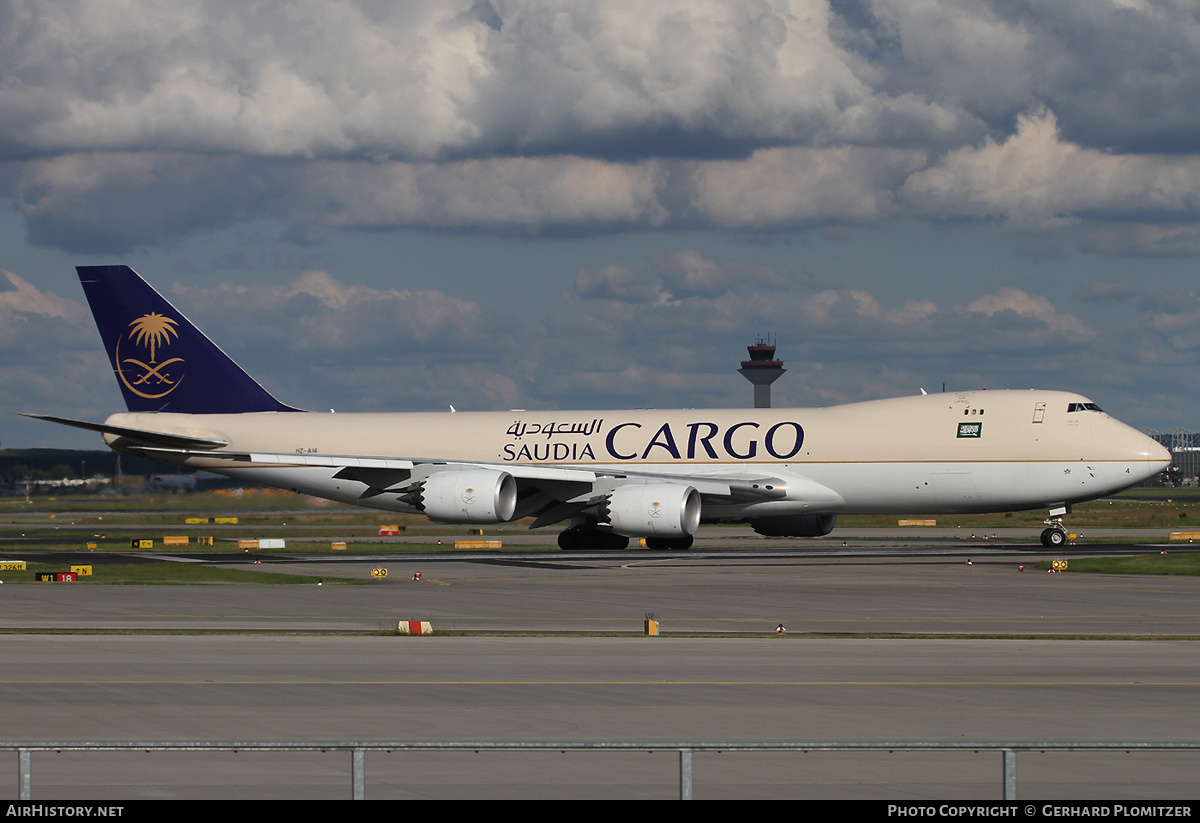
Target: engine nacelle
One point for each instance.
(795, 525)
(470, 496)
(654, 510)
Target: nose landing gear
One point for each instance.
(1055, 535)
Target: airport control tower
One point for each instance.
(762, 369)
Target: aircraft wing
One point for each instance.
(666, 505)
(548, 493)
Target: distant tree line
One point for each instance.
(56, 464)
(68, 464)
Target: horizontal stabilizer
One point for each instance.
(173, 441)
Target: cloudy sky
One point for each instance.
(401, 206)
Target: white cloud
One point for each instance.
(319, 342)
(831, 307)
(21, 297)
(318, 313)
(1142, 238)
(1035, 179)
(674, 277)
(287, 79)
(1103, 290)
(688, 273)
(965, 55)
(618, 342)
(612, 282)
(138, 123)
(429, 80)
(110, 201)
(511, 192)
(1049, 322)
(788, 186)
(51, 360)
(736, 71)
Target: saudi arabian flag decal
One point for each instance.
(970, 429)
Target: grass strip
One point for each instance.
(172, 574)
(1177, 564)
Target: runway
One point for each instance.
(932, 590)
(742, 683)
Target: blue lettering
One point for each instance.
(729, 442)
(703, 441)
(769, 440)
(612, 434)
(667, 443)
(700, 445)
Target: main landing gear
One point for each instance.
(581, 538)
(1055, 535)
(577, 538)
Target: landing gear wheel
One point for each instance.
(669, 544)
(575, 538)
(1054, 538)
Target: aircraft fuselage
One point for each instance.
(938, 453)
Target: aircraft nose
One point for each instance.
(1159, 454)
(1144, 456)
(1155, 455)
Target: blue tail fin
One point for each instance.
(162, 362)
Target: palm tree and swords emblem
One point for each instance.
(152, 331)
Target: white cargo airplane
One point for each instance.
(613, 474)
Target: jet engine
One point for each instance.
(795, 525)
(470, 496)
(653, 510)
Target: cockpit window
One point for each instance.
(1078, 407)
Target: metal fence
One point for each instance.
(358, 750)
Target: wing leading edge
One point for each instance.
(477, 492)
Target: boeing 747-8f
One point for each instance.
(613, 475)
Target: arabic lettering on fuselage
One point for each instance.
(519, 429)
(700, 440)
